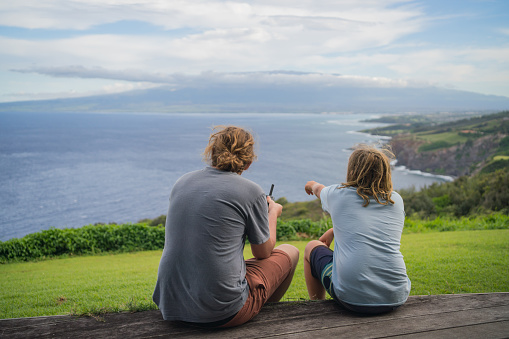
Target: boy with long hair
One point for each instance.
(365, 273)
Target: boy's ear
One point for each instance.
(247, 165)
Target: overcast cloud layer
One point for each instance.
(55, 48)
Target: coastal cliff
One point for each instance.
(448, 144)
(457, 160)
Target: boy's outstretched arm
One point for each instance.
(313, 187)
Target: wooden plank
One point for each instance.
(497, 330)
(316, 317)
(446, 323)
(445, 314)
(127, 325)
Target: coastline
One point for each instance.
(404, 169)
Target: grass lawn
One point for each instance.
(437, 263)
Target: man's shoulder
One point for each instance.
(250, 188)
(221, 180)
(191, 175)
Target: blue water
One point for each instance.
(70, 170)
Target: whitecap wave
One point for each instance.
(372, 136)
(405, 170)
(343, 122)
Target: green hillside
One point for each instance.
(448, 145)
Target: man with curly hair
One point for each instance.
(203, 278)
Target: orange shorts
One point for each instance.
(263, 277)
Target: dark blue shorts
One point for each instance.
(321, 268)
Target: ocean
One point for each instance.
(69, 170)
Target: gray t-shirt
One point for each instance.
(201, 276)
(368, 266)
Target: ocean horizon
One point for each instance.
(73, 169)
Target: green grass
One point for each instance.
(437, 263)
(449, 137)
(447, 224)
(79, 285)
(457, 262)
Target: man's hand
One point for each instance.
(274, 207)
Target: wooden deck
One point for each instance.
(443, 316)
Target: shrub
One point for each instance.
(503, 147)
(85, 240)
(160, 220)
(465, 196)
(495, 166)
(302, 228)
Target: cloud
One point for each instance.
(84, 14)
(208, 79)
(117, 87)
(223, 36)
(504, 31)
(280, 42)
(373, 41)
(233, 28)
(98, 73)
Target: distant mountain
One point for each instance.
(272, 98)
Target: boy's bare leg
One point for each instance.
(293, 252)
(316, 290)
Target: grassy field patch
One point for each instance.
(78, 285)
(457, 262)
(437, 263)
(448, 137)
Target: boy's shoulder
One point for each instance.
(396, 197)
(340, 189)
(394, 193)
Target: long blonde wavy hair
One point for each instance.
(369, 171)
(230, 148)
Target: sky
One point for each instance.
(70, 48)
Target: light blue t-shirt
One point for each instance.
(368, 266)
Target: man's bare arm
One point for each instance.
(264, 250)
